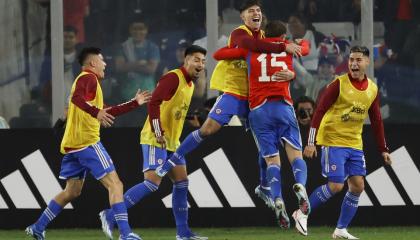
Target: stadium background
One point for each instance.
(31, 43)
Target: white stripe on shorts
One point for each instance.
(101, 156)
(327, 161)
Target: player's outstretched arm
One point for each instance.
(305, 46)
(105, 118)
(294, 49)
(242, 39)
(142, 97)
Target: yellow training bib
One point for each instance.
(342, 124)
(172, 115)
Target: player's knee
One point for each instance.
(116, 187)
(357, 188)
(72, 193)
(335, 187)
(157, 180)
(206, 130)
(274, 160)
(179, 176)
(209, 127)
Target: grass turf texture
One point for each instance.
(249, 233)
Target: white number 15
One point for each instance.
(274, 63)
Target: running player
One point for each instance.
(160, 136)
(337, 126)
(82, 148)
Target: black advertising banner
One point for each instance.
(223, 173)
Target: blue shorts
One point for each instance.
(93, 159)
(154, 156)
(272, 122)
(338, 163)
(226, 106)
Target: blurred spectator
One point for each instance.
(186, 15)
(221, 42)
(138, 59)
(304, 107)
(320, 10)
(350, 11)
(326, 73)
(338, 51)
(71, 67)
(341, 61)
(410, 53)
(32, 115)
(399, 22)
(74, 13)
(168, 63)
(299, 27)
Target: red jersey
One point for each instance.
(261, 68)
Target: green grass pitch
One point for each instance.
(245, 233)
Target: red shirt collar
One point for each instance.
(253, 31)
(186, 75)
(352, 79)
(90, 71)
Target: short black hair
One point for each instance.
(193, 49)
(360, 49)
(275, 28)
(85, 52)
(70, 28)
(249, 3)
(303, 99)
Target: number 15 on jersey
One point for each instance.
(278, 60)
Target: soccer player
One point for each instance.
(272, 115)
(337, 126)
(160, 136)
(82, 148)
(230, 77)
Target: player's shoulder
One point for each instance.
(334, 83)
(241, 30)
(88, 77)
(170, 77)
